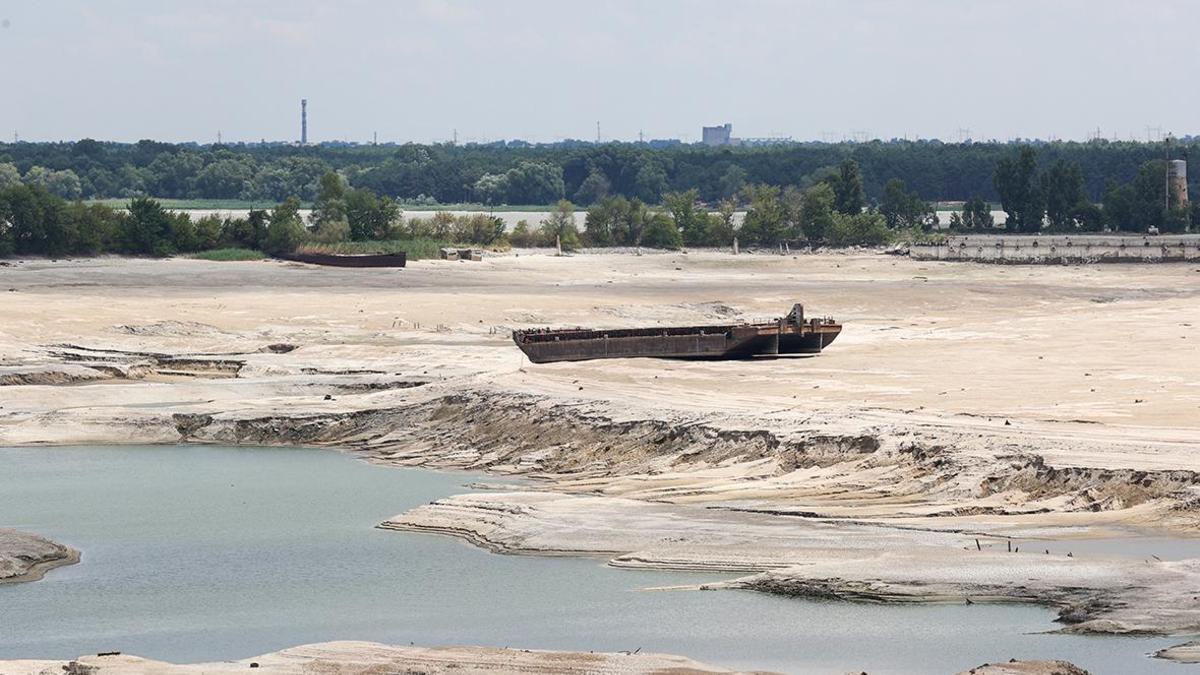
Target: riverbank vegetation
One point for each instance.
(356, 220)
(35, 222)
(834, 209)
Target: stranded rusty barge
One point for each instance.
(792, 334)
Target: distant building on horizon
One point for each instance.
(722, 135)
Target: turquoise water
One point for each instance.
(210, 553)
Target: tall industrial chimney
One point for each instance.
(303, 121)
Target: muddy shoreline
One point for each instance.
(348, 658)
(368, 658)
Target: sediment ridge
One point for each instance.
(817, 558)
(369, 658)
(813, 467)
(27, 557)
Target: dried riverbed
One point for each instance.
(963, 402)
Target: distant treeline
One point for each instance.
(833, 208)
(541, 175)
(33, 221)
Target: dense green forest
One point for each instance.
(518, 173)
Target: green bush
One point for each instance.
(522, 236)
(332, 232)
(860, 229)
(286, 231)
(661, 232)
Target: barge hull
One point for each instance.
(788, 335)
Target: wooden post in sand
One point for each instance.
(558, 244)
(735, 246)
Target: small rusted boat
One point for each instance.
(791, 334)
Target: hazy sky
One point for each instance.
(543, 70)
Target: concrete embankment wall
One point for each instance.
(1035, 249)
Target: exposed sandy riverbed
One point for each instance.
(962, 402)
(354, 658)
(368, 658)
(1188, 652)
